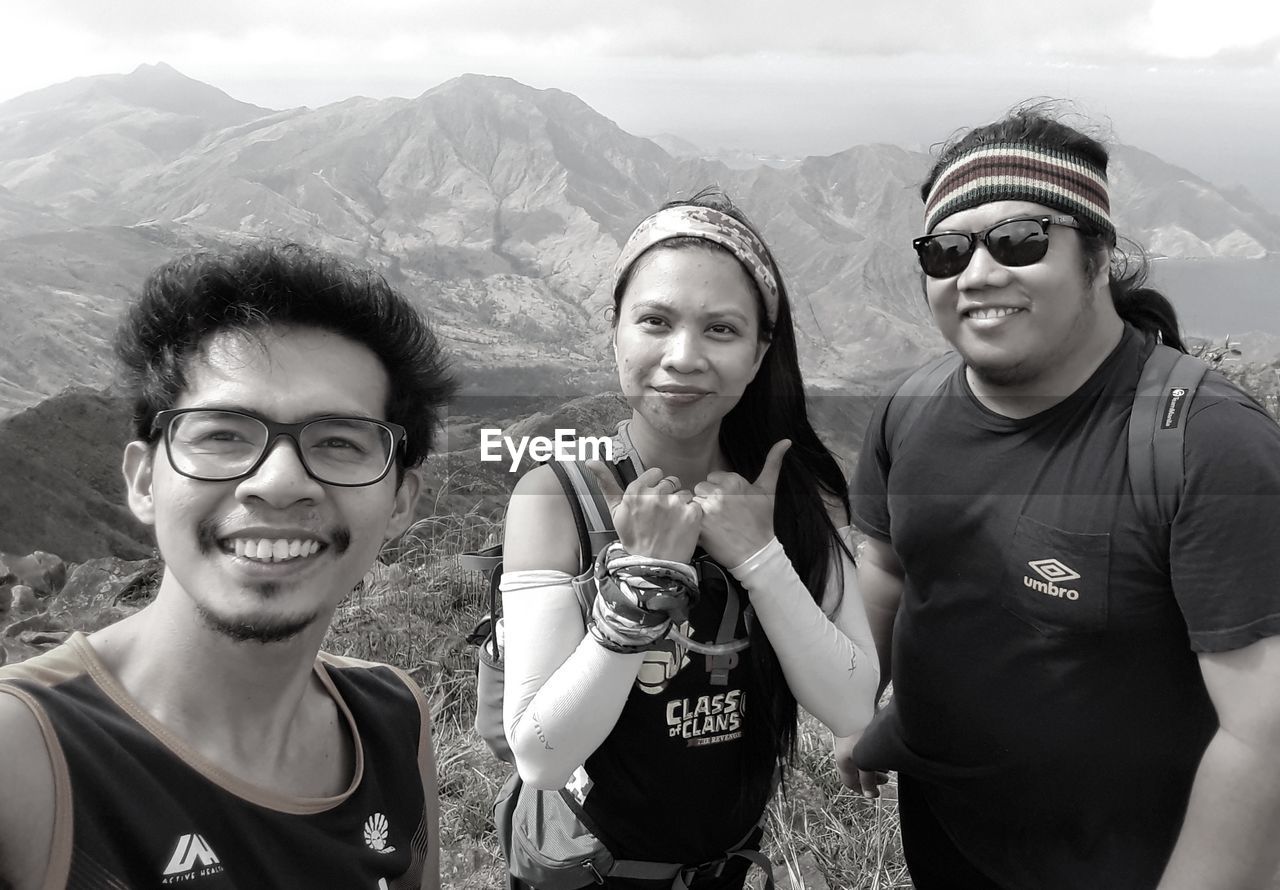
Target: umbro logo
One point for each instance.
(1055, 572)
(192, 858)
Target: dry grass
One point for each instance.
(416, 614)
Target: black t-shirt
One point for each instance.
(1047, 691)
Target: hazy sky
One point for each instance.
(1196, 82)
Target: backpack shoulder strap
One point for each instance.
(594, 524)
(591, 521)
(1157, 428)
(909, 401)
(584, 489)
(569, 483)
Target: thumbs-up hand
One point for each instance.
(656, 516)
(737, 515)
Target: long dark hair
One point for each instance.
(773, 407)
(1143, 307)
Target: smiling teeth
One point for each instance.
(276, 550)
(992, 312)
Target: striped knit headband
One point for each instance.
(691, 221)
(1020, 171)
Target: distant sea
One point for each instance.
(1215, 298)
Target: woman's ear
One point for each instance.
(762, 349)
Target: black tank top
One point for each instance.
(148, 812)
(667, 782)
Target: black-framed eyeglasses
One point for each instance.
(221, 445)
(1020, 241)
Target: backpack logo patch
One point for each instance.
(1171, 416)
(192, 857)
(376, 831)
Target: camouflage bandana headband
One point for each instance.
(1020, 171)
(688, 221)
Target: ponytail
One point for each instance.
(1148, 310)
(1143, 307)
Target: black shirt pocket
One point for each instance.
(1055, 580)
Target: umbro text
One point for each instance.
(1050, 589)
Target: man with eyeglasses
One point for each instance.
(283, 402)
(1082, 697)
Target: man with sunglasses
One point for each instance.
(283, 402)
(1083, 697)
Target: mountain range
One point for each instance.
(498, 208)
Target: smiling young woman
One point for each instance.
(721, 490)
(687, 342)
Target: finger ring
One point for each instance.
(675, 483)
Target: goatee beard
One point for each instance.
(264, 631)
(267, 629)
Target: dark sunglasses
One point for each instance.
(1020, 241)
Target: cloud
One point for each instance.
(1261, 55)
(796, 77)
(678, 29)
(1234, 31)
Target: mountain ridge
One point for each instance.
(499, 207)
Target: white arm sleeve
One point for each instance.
(827, 654)
(563, 691)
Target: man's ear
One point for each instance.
(1101, 282)
(406, 500)
(137, 467)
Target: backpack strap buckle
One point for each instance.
(712, 869)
